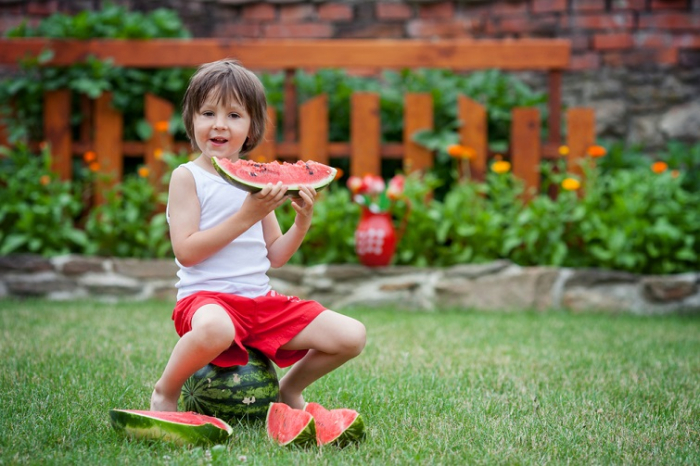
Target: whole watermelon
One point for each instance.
(233, 393)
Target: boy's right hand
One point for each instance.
(266, 200)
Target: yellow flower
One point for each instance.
(659, 167)
(501, 166)
(89, 156)
(143, 172)
(563, 150)
(597, 151)
(571, 184)
(158, 153)
(162, 126)
(44, 180)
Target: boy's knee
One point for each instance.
(354, 338)
(216, 332)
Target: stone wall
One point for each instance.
(637, 62)
(496, 286)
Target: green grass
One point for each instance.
(447, 388)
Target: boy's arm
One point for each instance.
(192, 245)
(281, 247)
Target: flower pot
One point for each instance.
(375, 239)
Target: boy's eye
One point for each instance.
(207, 113)
(234, 115)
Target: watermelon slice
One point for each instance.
(288, 426)
(178, 427)
(253, 176)
(337, 426)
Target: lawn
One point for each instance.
(448, 388)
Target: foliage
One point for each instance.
(38, 212)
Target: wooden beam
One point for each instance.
(580, 124)
(474, 133)
(313, 129)
(463, 54)
(418, 115)
(158, 112)
(57, 131)
(108, 145)
(525, 148)
(365, 134)
(265, 152)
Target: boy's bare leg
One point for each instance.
(333, 339)
(212, 333)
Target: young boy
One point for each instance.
(225, 240)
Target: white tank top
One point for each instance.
(241, 267)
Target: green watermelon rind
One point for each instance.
(245, 185)
(199, 393)
(354, 433)
(138, 425)
(305, 437)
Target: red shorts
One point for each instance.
(265, 323)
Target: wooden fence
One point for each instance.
(306, 127)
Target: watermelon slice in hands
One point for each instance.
(336, 426)
(179, 427)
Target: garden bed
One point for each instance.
(496, 286)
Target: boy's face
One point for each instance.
(220, 129)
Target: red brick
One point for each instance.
(536, 25)
(298, 30)
(441, 10)
(444, 29)
(335, 12)
(618, 41)
(613, 59)
(42, 8)
(687, 41)
(640, 57)
(669, 5)
(296, 13)
(599, 21)
(239, 30)
(652, 40)
(548, 6)
(391, 30)
(588, 5)
(508, 8)
(584, 61)
(393, 11)
(259, 12)
(671, 21)
(667, 56)
(580, 42)
(636, 5)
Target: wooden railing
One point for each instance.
(306, 127)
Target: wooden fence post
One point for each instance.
(418, 115)
(57, 131)
(474, 134)
(108, 145)
(365, 134)
(580, 124)
(157, 111)
(265, 151)
(525, 148)
(313, 129)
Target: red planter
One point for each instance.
(375, 239)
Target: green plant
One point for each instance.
(38, 212)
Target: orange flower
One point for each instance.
(659, 167)
(461, 152)
(563, 150)
(158, 153)
(143, 172)
(571, 184)
(44, 180)
(338, 174)
(162, 126)
(501, 166)
(89, 156)
(94, 166)
(597, 151)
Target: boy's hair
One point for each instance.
(228, 80)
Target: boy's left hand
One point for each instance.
(304, 204)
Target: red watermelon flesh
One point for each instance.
(288, 426)
(179, 427)
(340, 426)
(253, 176)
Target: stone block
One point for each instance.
(663, 289)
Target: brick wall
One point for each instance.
(605, 33)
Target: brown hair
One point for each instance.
(227, 79)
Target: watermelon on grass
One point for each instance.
(336, 426)
(233, 393)
(253, 176)
(178, 427)
(288, 426)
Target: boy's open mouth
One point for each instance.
(219, 140)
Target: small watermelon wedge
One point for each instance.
(178, 427)
(336, 426)
(289, 426)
